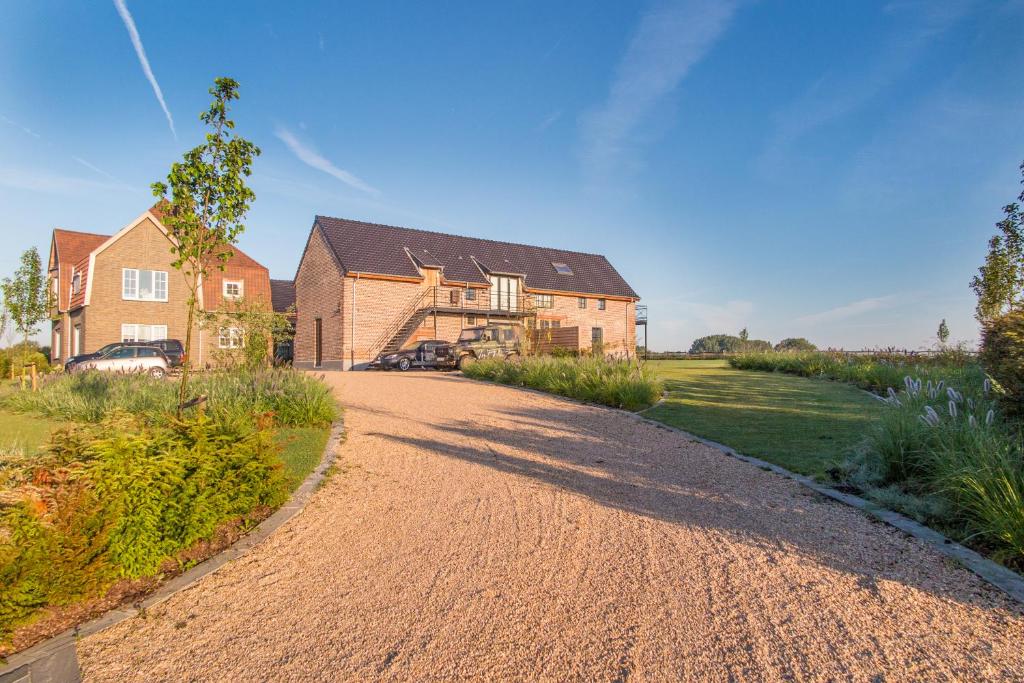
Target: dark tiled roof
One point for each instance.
(282, 295)
(373, 248)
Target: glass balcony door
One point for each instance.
(504, 293)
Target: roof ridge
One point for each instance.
(448, 234)
(82, 232)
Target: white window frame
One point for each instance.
(76, 339)
(76, 282)
(131, 280)
(241, 289)
(230, 338)
(57, 343)
(602, 304)
(133, 332)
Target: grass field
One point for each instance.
(301, 448)
(26, 433)
(805, 425)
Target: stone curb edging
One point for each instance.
(55, 659)
(997, 575)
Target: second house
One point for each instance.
(122, 287)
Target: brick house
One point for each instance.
(362, 289)
(122, 287)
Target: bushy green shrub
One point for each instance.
(294, 399)
(795, 344)
(118, 498)
(1002, 355)
(617, 383)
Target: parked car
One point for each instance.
(172, 348)
(496, 340)
(433, 353)
(129, 358)
(70, 363)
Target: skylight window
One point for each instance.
(562, 268)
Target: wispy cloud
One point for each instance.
(51, 183)
(849, 310)
(311, 157)
(24, 129)
(833, 96)
(669, 41)
(550, 120)
(695, 319)
(133, 33)
(96, 169)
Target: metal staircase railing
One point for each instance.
(401, 320)
(436, 299)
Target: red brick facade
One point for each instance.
(93, 310)
(354, 312)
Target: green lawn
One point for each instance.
(805, 425)
(27, 433)
(301, 448)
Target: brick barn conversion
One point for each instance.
(362, 289)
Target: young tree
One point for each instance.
(943, 333)
(26, 296)
(207, 202)
(744, 335)
(1000, 281)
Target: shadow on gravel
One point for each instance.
(638, 468)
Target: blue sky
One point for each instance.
(803, 168)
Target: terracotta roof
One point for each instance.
(73, 246)
(282, 294)
(381, 249)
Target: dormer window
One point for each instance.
(233, 289)
(76, 283)
(562, 268)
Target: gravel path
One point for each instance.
(481, 532)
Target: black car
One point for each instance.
(432, 353)
(172, 348)
(70, 363)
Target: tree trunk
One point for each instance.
(183, 386)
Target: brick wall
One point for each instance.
(378, 306)
(319, 293)
(617, 321)
(145, 247)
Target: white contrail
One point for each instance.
(133, 33)
(313, 158)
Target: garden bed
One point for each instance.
(129, 495)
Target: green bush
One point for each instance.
(795, 344)
(118, 498)
(1002, 355)
(617, 383)
(294, 399)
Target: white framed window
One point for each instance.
(234, 289)
(76, 283)
(133, 332)
(544, 300)
(230, 338)
(143, 285)
(76, 340)
(56, 344)
(601, 304)
(581, 302)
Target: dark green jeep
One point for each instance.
(496, 340)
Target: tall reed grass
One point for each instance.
(875, 372)
(945, 454)
(295, 399)
(612, 382)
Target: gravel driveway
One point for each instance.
(476, 531)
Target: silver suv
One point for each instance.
(148, 359)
